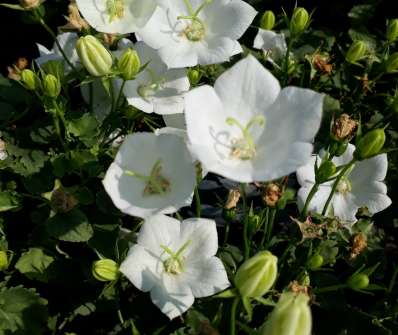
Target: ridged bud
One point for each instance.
(129, 64)
(105, 270)
(370, 144)
(356, 52)
(3, 260)
(392, 30)
(392, 63)
(257, 275)
(30, 80)
(291, 316)
(325, 171)
(358, 281)
(194, 76)
(51, 86)
(267, 20)
(299, 21)
(94, 56)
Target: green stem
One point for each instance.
(314, 189)
(270, 225)
(329, 288)
(119, 97)
(189, 7)
(246, 243)
(336, 183)
(226, 233)
(286, 61)
(265, 228)
(197, 202)
(112, 92)
(234, 308)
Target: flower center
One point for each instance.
(196, 31)
(244, 148)
(156, 183)
(175, 263)
(115, 9)
(155, 84)
(344, 186)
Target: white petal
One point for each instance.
(175, 121)
(206, 277)
(179, 53)
(173, 297)
(202, 235)
(215, 49)
(271, 42)
(317, 202)
(371, 194)
(142, 268)
(372, 169)
(346, 157)
(306, 173)
(345, 207)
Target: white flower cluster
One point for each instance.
(245, 128)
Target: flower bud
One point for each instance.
(51, 86)
(299, 21)
(392, 63)
(55, 67)
(3, 260)
(370, 144)
(30, 80)
(30, 4)
(344, 127)
(291, 315)
(257, 275)
(129, 64)
(194, 76)
(338, 148)
(392, 30)
(94, 56)
(358, 281)
(105, 270)
(267, 20)
(325, 171)
(356, 52)
(315, 262)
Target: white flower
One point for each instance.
(247, 129)
(156, 89)
(117, 16)
(273, 44)
(176, 262)
(151, 174)
(188, 33)
(361, 187)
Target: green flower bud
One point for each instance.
(300, 20)
(229, 214)
(267, 20)
(30, 80)
(129, 64)
(257, 275)
(338, 148)
(315, 262)
(55, 67)
(325, 171)
(51, 86)
(370, 144)
(105, 270)
(3, 260)
(194, 76)
(392, 30)
(392, 63)
(291, 316)
(358, 281)
(356, 52)
(94, 56)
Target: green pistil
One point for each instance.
(156, 184)
(244, 148)
(155, 84)
(115, 9)
(174, 264)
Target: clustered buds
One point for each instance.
(356, 52)
(267, 20)
(129, 64)
(344, 128)
(256, 276)
(105, 270)
(299, 21)
(94, 56)
(370, 144)
(291, 315)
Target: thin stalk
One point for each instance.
(226, 232)
(336, 183)
(329, 288)
(197, 202)
(265, 228)
(246, 243)
(112, 92)
(270, 224)
(189, 7)
(119, 97)
(286, 61)
(313, 191)
(234, 308)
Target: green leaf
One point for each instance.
(9, 201)
(22, 311)
(34, 264)
(25, 161)
(86, 128)
(71, 227)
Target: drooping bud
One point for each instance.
(356, 52)
(30, 4)
(325, 171)
(315, 262)
(257, 275)
(129, 64)
(299, 21)
(392, 63)
(344, 127)
(267, 20)
(370, 144)
(358, 281)
(105, 270)
(291, 316)
(51, 86)
(272, 194)
(3, 260)
(94, 56)
(392, 30)
(30, 80)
